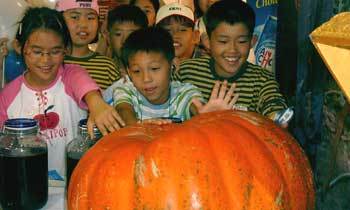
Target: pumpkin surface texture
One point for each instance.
(227, 160)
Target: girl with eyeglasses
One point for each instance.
(54, 93)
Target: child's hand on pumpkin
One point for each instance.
(104, 116)
(220, 98)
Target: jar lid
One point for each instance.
(83, 125)
(20, 124)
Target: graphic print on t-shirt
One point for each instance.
(48, 120)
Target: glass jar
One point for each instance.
(78, 146)
(23, 166)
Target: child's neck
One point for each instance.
(36, 83)
(81, 51)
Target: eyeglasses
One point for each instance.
(37, 54)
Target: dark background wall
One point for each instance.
(318, 101)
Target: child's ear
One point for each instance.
(196, 36)
(127, 73)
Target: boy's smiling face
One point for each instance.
(150, 74)
(229, 45)
(118, 34)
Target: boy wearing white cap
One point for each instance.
(179, 21)
(81, 17)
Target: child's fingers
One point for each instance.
(90, 126)
(215, 91)
(197, 103)
(223, 88)
(233, 100)
(117, 120)
(229, 93)
(101, 127)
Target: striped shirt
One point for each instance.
(177, 106)
(101, 68)
(258, 90)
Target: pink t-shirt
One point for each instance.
(58, 108)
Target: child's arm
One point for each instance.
(83, 89)
(103, 115)
(129, 116)
(219, 99)
(127, 113)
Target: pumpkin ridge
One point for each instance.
(224, 125)
(286, 146)
(219, 127)
(273, 160)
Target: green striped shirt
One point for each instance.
(101, 68)
(177, 106)
(258, 90)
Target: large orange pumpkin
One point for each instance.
(217, 161)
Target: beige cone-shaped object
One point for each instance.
(332, 41)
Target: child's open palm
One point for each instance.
(220, 98)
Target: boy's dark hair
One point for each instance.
(42, 18)
(231, 12)
(178, 18)
(127, 13)
(155, 4)
(152, 39)
(197, 10)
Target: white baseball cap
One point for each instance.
(174, 9)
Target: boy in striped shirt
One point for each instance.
(148, 94)
(230, 26)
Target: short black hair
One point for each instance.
(231, 12)
(127, 13)
(197, 10)
(155, 4)
(36, 18)
(151, 39)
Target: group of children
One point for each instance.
(154, 75)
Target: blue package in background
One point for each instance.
(265, 47)
(14, 66)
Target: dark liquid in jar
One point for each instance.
(72, 161)
(23, 182)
